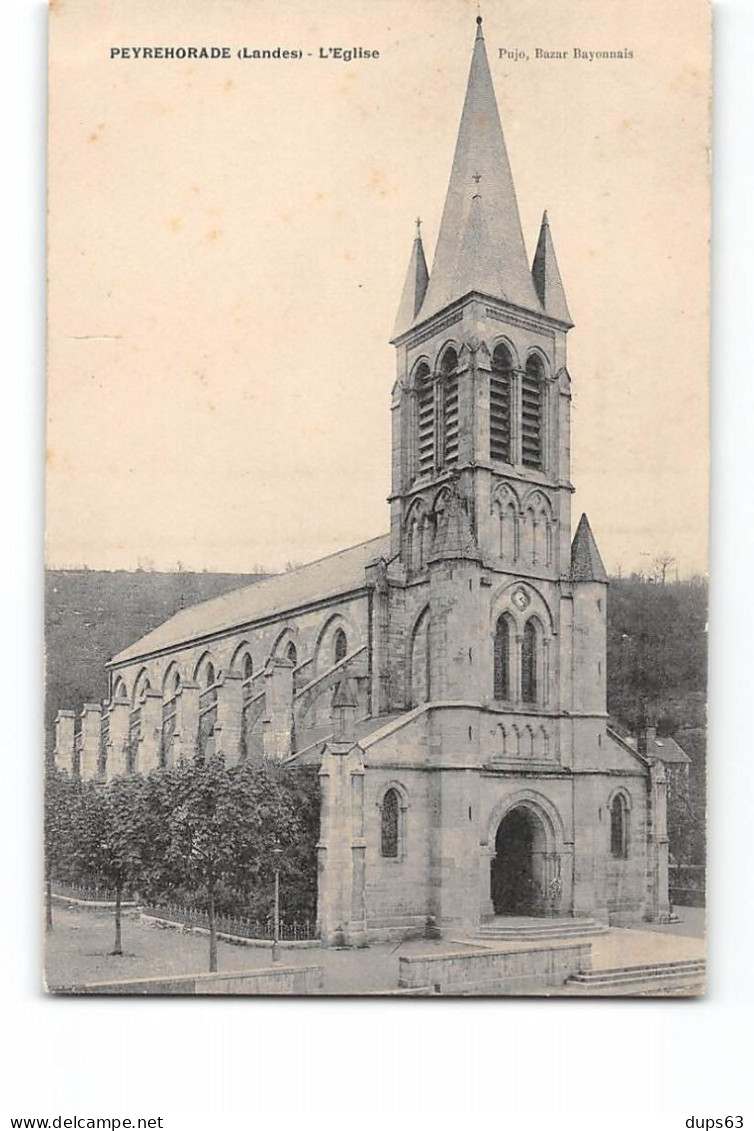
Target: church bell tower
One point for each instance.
(481, 402)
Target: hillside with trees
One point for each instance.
(657, 663)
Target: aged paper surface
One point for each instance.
(233, 189)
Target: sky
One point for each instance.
(228, 241)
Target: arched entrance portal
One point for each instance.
(521, 865)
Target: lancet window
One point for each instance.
(425, 413)
(501, 397)
(532, 422)
(619, 827)
(449, 376)
(340, 646)
(391, 824)
(529, 663)
(502, 659)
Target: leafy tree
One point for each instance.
(223, 827)
(298, 866)
(112, 837)
(60, 799)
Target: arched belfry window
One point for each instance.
(502, 659)
(390, 824)
(532, 414)
(340, 646)
(291, 654)
(449, 372)
(529, 641)
(425, 421)
(501, 395)
(619, 827)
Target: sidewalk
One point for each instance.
(78, 952)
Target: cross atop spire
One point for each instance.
(480, 155)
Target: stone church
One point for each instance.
(449, 677)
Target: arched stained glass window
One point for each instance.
(529, 663)
(619, 827)
(391, 818)
(340, 646)
(502, 646)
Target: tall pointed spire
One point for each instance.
(415, 286)
(546, 275)
(480, 169)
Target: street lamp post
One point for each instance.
(277, 852)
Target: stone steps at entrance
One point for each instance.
(685, 976)
(535, 930)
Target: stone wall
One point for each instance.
(271, 980)
(396, 888)
(495, 971)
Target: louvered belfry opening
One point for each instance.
(450, 407)
(425, 409)
(501, 384)
(532, 392)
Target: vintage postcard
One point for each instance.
(377, 497)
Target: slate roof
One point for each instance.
(586, 563)
(664, 749)
(339, 573)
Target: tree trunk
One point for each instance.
(212, 932)
(118, 948)
(48, 896)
